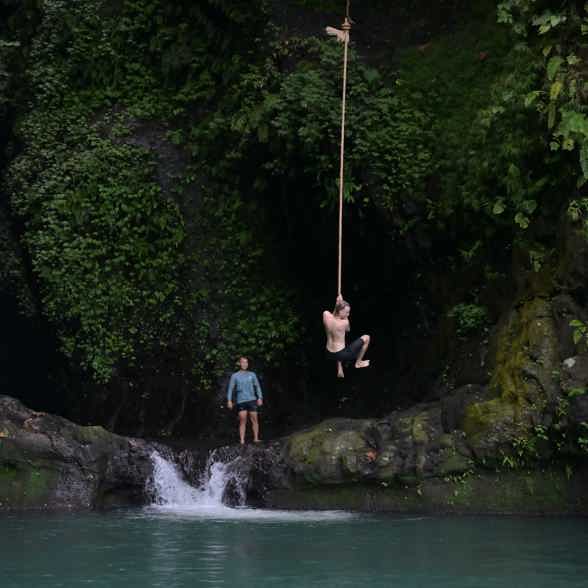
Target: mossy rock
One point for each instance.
(489, 425)
(454, 463)
(527, 355)
(27, 487)
(49, 462)
(527, 339)
(332, 452)
(537, 492)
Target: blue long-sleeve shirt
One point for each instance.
(244, 387)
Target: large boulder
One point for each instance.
(49, 462)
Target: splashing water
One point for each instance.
(170, 489)
(172, 495)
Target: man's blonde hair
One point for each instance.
(341, 305)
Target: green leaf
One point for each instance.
(498, 207)
(553, 66)
(555, 90)
(529, 206)
(551, 114)
(521, 220)
(531, 97)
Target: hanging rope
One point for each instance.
(343, 37)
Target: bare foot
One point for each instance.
(362, 364)
(340, 374)
(257, 441)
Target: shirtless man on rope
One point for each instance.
(336, 326)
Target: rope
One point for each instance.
(342, 36)
(346, 29)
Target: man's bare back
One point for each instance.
(336, 326)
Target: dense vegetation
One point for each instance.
(165, 158)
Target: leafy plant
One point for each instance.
(469, 318)
(553, 36)
(580, 333)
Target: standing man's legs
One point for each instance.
(254, 425)
(360, 362)
(242, 425)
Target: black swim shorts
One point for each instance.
(350, 352)
(249, 406)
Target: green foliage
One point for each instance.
(553, 37)
(297, 116)
(469, 318)
(527, 449)
(447, 141)
(105, 246)
(243, 313)
(557, 441)
(124, 271)
(489, 159)
(580, 333)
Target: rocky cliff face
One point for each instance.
(514, 440)
(48, 462)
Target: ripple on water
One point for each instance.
(225, 513)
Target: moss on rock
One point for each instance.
(331, 452)
(49, 462)
(29, 486)
(534, 492)
(526, 356)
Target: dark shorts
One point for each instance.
(250, 406)
(350, 352)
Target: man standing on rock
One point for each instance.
(336, 326)
(244, 392)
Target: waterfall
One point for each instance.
(169, 488)
(173, 496)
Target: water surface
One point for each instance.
(183, 547)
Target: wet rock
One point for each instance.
(489, 492)
(335, 451)
(49, 462)
(453, 406)
(524, 386)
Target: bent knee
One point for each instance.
(365, 338)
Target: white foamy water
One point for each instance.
(173, 496)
